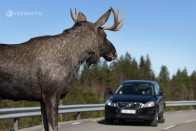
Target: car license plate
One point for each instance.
(128, 111)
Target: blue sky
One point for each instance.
(163, 29)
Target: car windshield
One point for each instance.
(135, 89)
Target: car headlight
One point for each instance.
(148, 104)
(110, 103)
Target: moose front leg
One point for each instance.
(44, 117)
(49, 108)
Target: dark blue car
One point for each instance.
(136, 100)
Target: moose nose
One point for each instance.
(115, 55)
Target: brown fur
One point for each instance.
(44, 68)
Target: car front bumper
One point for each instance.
(112, 113)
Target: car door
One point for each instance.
(160, 98)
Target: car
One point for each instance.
(136, 100)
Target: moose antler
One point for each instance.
(74, 17)
(117, 23)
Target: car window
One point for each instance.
(135, 89)
(157, 89)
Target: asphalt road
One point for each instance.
(175, 121)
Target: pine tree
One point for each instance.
(164, 82)
(193, 86)
(145, 70)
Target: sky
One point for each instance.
(163, 29)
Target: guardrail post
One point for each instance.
(61, 115)
(78, 116)
(16, 121)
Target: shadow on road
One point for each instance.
(124, 123)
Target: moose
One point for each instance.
(43, 68)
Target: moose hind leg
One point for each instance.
(51, 107)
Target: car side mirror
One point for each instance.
(161, 93)
(110, 92)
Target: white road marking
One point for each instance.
(190, 121)
(75, 123)
(169, 127)
(172, 126)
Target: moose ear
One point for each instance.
(78, 16)
(81, 17)
(103, 19)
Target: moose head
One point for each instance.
(105, 48)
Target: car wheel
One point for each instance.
(162, 117)
(154, 122)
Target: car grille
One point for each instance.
(129, 105)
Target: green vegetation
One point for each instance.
(92, 85)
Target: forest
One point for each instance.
(92, 84)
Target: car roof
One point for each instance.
(138, 81)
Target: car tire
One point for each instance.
(162, 117)
(154, 122)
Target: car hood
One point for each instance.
(131, 98)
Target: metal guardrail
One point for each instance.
(11, 113)
(180, 103)
(17, 113)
